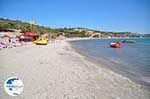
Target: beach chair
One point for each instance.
(2, 45)
(15, 44)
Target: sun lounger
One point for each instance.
(2, 45)
(16, 44)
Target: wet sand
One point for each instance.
(56, 71)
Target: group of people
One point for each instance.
(10, 43)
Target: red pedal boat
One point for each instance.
(115, 44)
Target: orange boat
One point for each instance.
(115, 44)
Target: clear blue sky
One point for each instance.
(107, 15)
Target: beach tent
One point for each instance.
(8, 35)
(28, 36)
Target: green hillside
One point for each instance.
(68, 32)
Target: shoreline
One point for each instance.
(87, 38)
(107, 65)
(63, 73)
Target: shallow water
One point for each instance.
(132, 60)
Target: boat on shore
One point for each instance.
(115, 44)
(41, 41)
(128, 41)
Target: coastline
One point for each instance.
(58, 71)
(111, 65)
(87, 38)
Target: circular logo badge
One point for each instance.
(13, 86)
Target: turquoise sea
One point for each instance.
(131, 60)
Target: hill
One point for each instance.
(68, 32)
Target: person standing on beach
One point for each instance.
(9, 40)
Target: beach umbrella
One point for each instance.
(19, 35)
(6, 35)
(13, 36)
(22, 37)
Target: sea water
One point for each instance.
(131, 60)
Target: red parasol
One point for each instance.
(6, 35)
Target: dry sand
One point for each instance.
(56, 71)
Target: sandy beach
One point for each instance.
(57, 71)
